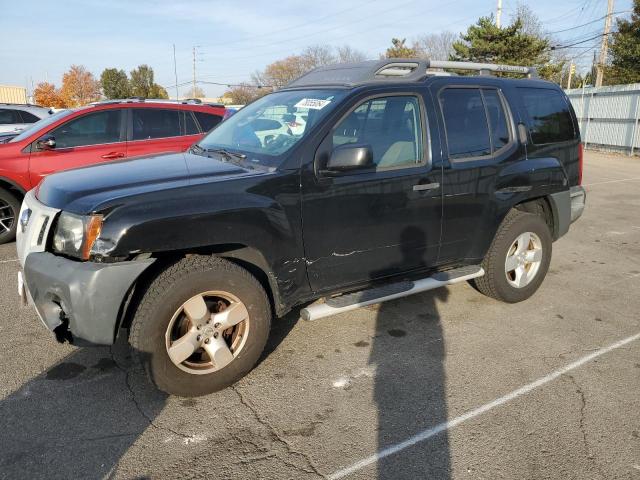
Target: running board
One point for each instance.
(351, 301)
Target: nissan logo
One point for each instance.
(24, 219)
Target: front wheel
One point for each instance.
(9, 210)
(201, 326)
(518, 258)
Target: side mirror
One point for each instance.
(46, 143)
(350, 156)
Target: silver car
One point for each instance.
(16, 117)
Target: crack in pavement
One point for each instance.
(137, 404)
(312, 468)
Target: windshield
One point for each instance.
(45, 122)
(272, 125)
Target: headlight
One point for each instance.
(75, 235)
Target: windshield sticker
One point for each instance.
(312, 103)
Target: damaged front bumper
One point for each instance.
(84, 299)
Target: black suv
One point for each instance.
(357, 183)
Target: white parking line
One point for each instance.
(431, 432)
(611, 181)
(9, 261)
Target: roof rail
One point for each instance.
(396, 69)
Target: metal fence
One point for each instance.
(609, 116)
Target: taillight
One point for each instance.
(580, 162)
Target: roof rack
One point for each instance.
(397, 69)
(186, 101)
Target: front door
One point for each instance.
(95, 137)
(368, 224)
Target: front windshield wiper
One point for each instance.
(226, 153)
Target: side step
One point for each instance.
(351, 301)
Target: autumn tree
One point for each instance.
(244, 93)
(47, 95)
(143, 85)
(79, 87)
(115, 83)
(624, 50)
(398, 49)
(486, 43)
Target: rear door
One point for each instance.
(158, 130)
(94, 137)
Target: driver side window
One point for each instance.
(92, 129)
(391, 126)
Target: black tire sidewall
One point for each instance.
(152, 328)
(524, 223)
(14, 203)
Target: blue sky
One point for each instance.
(40, 39)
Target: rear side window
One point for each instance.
(91, 129)
(465, 123)
(190, 126)
(476, 122)
(8, 116)
(151, 123)
(207, 120)
(549, 117)
(28, 117)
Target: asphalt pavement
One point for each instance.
(446, 384)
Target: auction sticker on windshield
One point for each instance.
(313, 103)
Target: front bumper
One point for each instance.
(88, 295)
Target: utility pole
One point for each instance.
(175, 71)
(193, 92)
(498, 13)
(572, 69)
(605, 44)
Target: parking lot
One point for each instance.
(444, 384)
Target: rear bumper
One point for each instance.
(87, 295)
(567, 207)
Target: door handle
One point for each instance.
(426, 186)
(113, 155)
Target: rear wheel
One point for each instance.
(9, 210)
(201, 326)
(518, 258)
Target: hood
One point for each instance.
(82, 190)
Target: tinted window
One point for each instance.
(465, 123)
(190, 124)
(91, 129)
(498, 124)
(155, 123)
(391, 126)
(549, 117)
(8, 116)
(207, 121)
(28, 117)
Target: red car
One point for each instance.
(100, 132)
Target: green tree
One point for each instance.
(624, 50)
(115, 83)
(511, 45)
(398, 49)
(143, 85)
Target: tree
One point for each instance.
(347, 54)
(624, 50)
(435, 46)
(47, 95)
(142, 84)
(399, 49)
(485, 42)
(79, 87)
(115, 83)
(244, 93)
(195, 92)
(531, 24)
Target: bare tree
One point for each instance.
(435, 46)
(531, 24)
(195, 92)
(318, 56)
(348, 54)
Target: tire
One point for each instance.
(9, 209)
(151, 333)
(500, 284)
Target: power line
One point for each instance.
(588, 23)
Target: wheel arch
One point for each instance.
(12, 187)
(541, 206)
